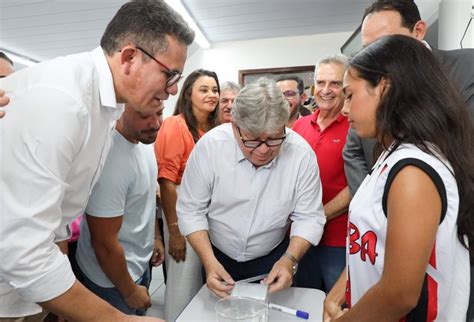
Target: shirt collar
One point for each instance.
(314, 118)
(426, 44)
(106, 83)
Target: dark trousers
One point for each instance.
(254, 267)
(320, 267)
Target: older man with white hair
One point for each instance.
(245, 184)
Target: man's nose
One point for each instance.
(263, 148)
(172, 90)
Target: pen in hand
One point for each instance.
(298, 313)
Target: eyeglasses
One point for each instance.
(173, 76)
(290, 94)
(253, 144)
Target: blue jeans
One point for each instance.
(320, 267)
(112, 294)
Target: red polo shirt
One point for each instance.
(328, 145)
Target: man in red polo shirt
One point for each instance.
(326, 131)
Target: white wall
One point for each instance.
(454, 16)
(226, 59)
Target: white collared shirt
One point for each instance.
(53, 144)
(247, 210)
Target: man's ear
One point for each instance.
(419, 30)
(128, 56)
(303, 98)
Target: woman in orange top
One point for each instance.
(196, 112)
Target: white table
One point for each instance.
(201, 308)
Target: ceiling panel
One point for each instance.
(231, 20)
(43, 29)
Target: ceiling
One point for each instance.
(230, 20)
(43, 29)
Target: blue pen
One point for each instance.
(298, 313)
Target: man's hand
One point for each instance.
(158, 255)
(218, 280)
(138, 298)
(281, 275)
(177, 246)
(4, 100)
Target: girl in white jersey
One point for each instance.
(412, 217)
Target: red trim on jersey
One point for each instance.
(348, 289)
(432, 299)
(432, 289)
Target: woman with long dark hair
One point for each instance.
(196, 112)
(412, 217)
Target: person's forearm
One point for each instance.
(201, 244)
(168, 201)
(80, 305)
(381, 303)
(111, 258)
(298, 247)
(338, 205)
(218, 279)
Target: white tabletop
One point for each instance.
(201, 308)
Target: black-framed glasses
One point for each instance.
(173, 76)
(290, 94)
(253, 144)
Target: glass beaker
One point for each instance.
(241, 309)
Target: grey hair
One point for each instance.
(145, 23)
(230, 86)
(332, 59)
(260, 107)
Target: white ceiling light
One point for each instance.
(16, 58)
(200, 38)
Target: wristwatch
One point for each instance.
(293, 259)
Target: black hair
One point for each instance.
(145, 23)
(422, 107)
(407, 9)
(295, 78)
(184, 103)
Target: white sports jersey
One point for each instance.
(445, 291)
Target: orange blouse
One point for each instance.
(173, 146)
